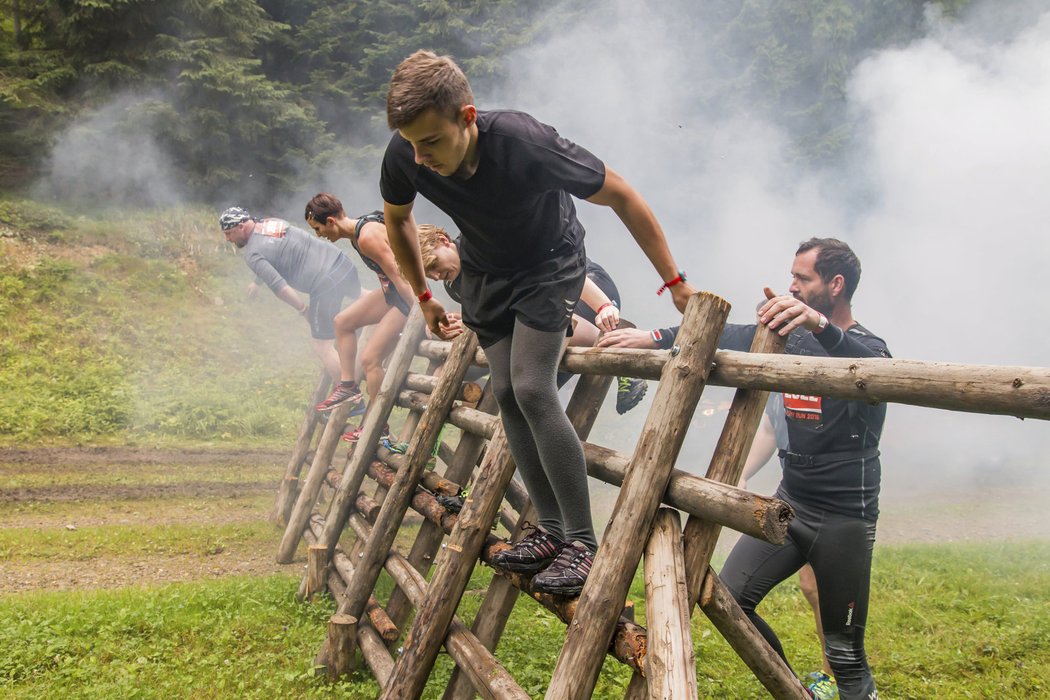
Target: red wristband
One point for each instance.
(670, 283)
(602, 307)
(425, 296)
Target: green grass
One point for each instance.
(125, 327)
(969, 621)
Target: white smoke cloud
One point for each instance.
(951, 163)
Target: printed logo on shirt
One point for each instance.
(570, 306)
(274, 228)
(803, 407)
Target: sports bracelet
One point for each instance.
(425, 296)
(602, 307)
(670, 283)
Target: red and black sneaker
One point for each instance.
(355, 434)
(344, 392)
(531, 553)
(568, 573)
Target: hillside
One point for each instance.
(134, 326)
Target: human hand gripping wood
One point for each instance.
(785, 313)
(438, 321)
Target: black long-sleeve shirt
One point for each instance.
(834, 459)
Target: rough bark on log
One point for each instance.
(719, 606)
(371, 644)
(469, 391)
(311, 487)
(485, 670)
(342, 631)
(370, 562)
(681, 384)
(670, 664)
(316, 569)
(288, 489)
(377, 416)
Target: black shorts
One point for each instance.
(542, 297)
(327, 301)
(392, 298)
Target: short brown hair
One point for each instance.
(322, 206)
(834, 258)
(422, 81)
(429, 240)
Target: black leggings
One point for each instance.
(839, 549)
(545, 447)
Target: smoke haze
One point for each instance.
(941, 192)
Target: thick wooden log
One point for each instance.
(459, 471)
(311, 487)
(316, 569)
(367, 569)
(372, 648)
(719, 606)
(452, 572)
(485, 671)
(763, 517)
(491, 619)
(681, 384)
(288, 489)
(1023, 392)
(380, 621)
(759, 516)
(342, 632)
(379, 412)
(700, 536)
(425, 383)
(670, 664)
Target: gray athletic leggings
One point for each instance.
(541, 439)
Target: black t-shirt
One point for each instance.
(516, 210)
(834, 459)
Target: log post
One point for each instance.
(368, 640)
(718, 604)
(491, 618)
(485, 671)
(307, 499)
(342, 631)
(452, 573)
(371, 558)
(357, 466)
(288, 489)
(459, 471)
(670, 667)
(700, 536)
(681, 384)
(316, 569)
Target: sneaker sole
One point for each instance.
(520, 568)
(555, 590)
(328, 409)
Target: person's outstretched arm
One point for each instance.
(401, 233)
(617, 194)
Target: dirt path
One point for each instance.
(242, 492)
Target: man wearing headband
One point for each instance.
(289, 260)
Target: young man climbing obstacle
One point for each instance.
(508, 182)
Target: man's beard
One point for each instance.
(819, 302)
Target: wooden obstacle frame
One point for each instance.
(644, 522)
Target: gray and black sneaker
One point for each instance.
(530, 554)
(568, 573)
(629, 392)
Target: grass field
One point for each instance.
(117, 593)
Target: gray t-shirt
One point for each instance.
(281, 254)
